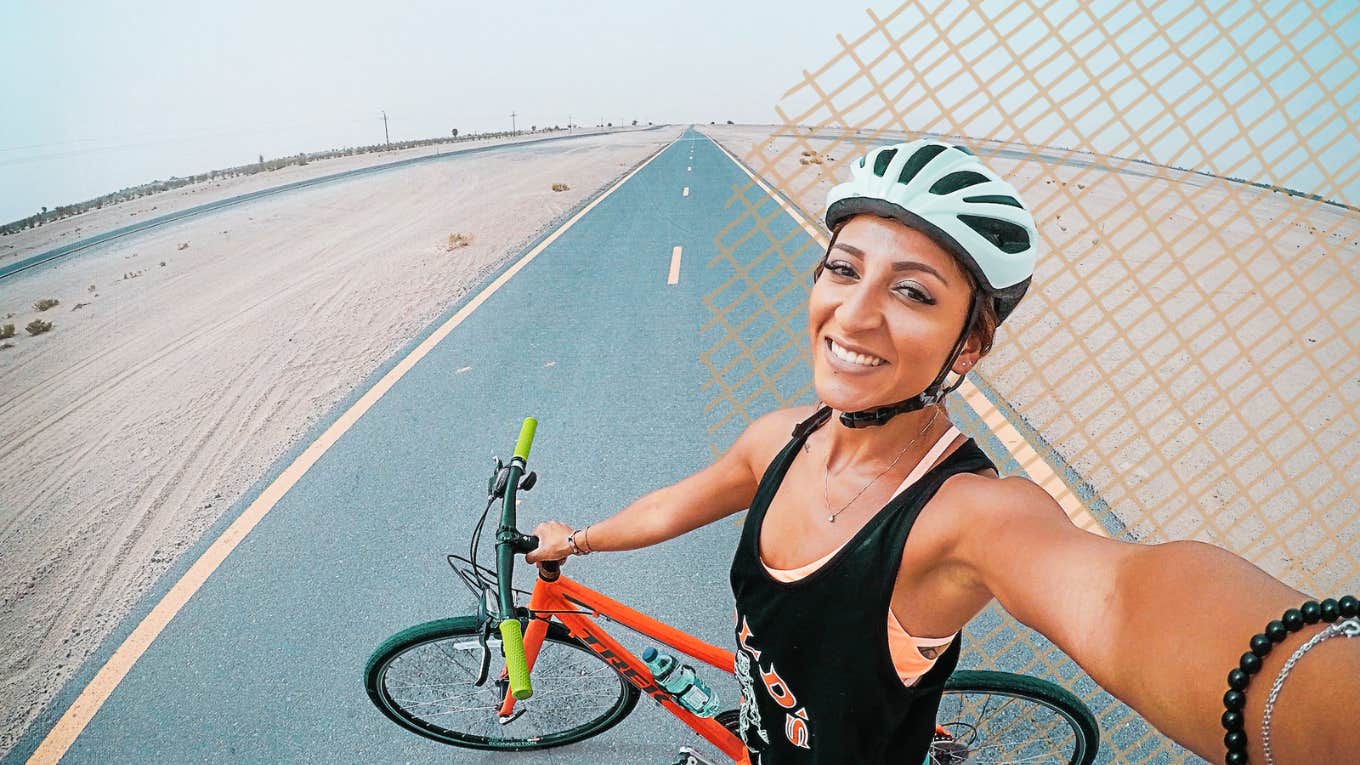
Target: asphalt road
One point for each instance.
(264, 663)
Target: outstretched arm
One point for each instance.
(1160, 626)
(725, 487)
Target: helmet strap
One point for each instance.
(933, 394)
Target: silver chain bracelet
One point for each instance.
(1347, 627)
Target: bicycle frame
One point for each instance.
(576, 606)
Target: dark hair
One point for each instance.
(984, 323)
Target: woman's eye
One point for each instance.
(840, 269)
(916, 294)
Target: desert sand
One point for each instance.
(186, 359)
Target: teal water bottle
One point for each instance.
(692, 693)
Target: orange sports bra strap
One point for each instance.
(928, 461)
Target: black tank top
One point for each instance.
(818, 682)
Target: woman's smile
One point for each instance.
(845, 359)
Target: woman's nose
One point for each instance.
(859, 310)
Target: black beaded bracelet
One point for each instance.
(1293, 620)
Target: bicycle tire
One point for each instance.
(445, 656)
(1040, 721)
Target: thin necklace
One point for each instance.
(826, 491)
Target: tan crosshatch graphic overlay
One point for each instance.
(1185, 364)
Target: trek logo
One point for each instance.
(797, 727)
(643, 682)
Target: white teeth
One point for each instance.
(852, 357)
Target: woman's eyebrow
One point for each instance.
(901, 265)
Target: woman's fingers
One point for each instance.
(552, 542)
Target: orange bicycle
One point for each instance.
(560, 678)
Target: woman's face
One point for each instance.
(897, 302)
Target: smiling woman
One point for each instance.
(875, 536)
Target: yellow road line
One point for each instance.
(674, 276)
(83, 709)
(1031, 461)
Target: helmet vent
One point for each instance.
(1007, 236)
(997, 199)
(919, 160)
(882, 160)
(955, 181)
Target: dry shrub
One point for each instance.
(6, 331)
(560, 187)
(38, 326)
(45, 303)
(457, 240)
(183, 246)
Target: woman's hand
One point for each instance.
(552, 542)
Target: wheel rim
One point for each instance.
(999, 727)
(430, 687)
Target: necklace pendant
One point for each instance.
(831, 519)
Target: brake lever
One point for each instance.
(486, 653)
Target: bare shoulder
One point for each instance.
(1001, 526)
(978, 507)
(769, 433)
(974, 490)
(983, 502)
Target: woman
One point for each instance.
(875, 535)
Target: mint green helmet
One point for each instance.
(946, 193)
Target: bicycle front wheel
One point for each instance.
(1000, 717)
(423, 679)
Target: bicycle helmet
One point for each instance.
(946, 193)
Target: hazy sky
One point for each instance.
(102, 96)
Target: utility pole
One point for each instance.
(512, 122)
(386, 139)
(568, 123)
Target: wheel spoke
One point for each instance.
(1004, 727)
(429, 685)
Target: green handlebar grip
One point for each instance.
(526, 438)
(512, 642)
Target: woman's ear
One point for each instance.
(965, 363)
(971, 355)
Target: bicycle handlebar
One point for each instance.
(526, 438)
(509, 542)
